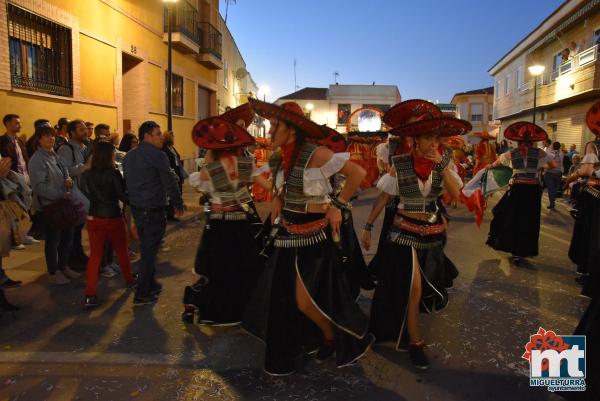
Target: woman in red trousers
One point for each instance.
(104, 186)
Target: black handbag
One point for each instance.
(62, 214)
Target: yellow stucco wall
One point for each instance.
(30, 108)
(98, 69)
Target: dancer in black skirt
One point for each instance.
(585, 243)
(400, 114)
(515, 227)
(414, 268)
(303, 302)
(227, 259)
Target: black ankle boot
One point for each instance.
(188, 314)
(416, 352)
(5, 305)
(326, 351)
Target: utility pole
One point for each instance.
(295, 79)
(335, 76)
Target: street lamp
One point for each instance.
(264, 90)
(310, 106)
(535, 70)
(169, 65)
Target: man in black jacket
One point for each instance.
(150, 182)
(176, 166)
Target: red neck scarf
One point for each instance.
(422, 166)
(287, 151)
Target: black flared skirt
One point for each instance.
(272, 313)
(585, 242)
(515, 227)
(228, 258)
(353, 260)
(390, 301)
(589, 326)
(388, 220)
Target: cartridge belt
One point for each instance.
(526, 181)
(217, 208)
(229, 216)
(300, 241)
(305, 228)
(419, 229)
(594, 182)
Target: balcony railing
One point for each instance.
(581, 59)
(184, 19)
(211, 40)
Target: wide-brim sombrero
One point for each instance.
(592, 118)
(524, 131)
(440, 126)
(241, 113)
(455, 142)
(484, 135)
(214, 133)
(334, 140)
(400, 113)
(291, 113)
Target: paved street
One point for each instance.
(54, 350)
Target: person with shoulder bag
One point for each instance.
(52, 187)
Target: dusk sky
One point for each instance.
(430, 49)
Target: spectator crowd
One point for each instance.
(76, 175)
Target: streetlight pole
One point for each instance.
(169, 64)
(535, 70)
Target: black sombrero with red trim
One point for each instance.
(524, 131)
(334, 140)
(400, 113)
(291, 113)
(214, 133)
(241, 113)
(440, 126)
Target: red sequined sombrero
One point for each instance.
(523, 131)
(334, 140)
(592, 118)
(243, 113)
(455, 142)
(215, 133)
(291, 113)
(400, 113)
(440, 126)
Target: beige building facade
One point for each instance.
(234, 81)
(335, 105)
(566, 43)
(476, 106)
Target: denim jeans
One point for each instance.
(57, 247)
(151, 225)
(552, 181)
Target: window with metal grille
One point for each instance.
(40, 53)
(177, 99)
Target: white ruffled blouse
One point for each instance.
(316, 179)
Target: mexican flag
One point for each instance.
(482, 185)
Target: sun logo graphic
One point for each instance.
(556, 362)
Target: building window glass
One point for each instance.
(40, 53)
(225, 73)
(344, 111)
(498, 86)
(477, 112)
(177, 98)
(520, 77)
(596, 37)
(507, 85)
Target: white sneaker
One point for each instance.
(19, 247)
(71, 273)
(58, 278)
(29, 240)
(107, 271)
